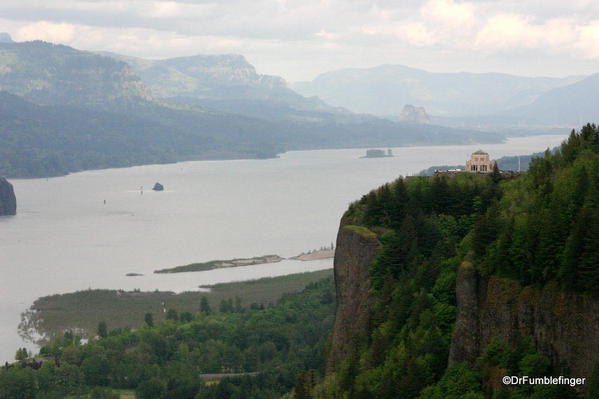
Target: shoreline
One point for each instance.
(244, 157)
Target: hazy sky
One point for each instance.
(298, 39)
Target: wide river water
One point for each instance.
(65, 238)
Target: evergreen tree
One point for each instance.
(22, 355)
(172, 314)
(205, 306)
(149, 320)
(102, 329)
(568, 271)
(588, 268)
(399, 204)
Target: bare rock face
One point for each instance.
(357, 248)
(8, 202)
(465, 345)
(412, 114)
(564, 326)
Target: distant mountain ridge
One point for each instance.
(202, 75)
(67, 110)
(229, 83)
(385, 89)
(568, 105)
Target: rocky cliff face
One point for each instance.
(49, 74)
(8, 202)
(205, 77)
(564, 326)
(357, 248)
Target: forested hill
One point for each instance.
(78, 110)
(446, 284)
(50, 74)
(52, 140)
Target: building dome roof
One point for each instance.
(479, 152)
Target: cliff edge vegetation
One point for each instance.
(452, 282)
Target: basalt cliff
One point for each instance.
(563, 325)
(8, 202)
(446, 284)
(356, 250)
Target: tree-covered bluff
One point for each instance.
(456, 281)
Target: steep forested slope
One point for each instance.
(514, 261)
(54, 140)
(50, 74)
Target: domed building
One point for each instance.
(480, 162)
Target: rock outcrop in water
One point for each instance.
(8, 201)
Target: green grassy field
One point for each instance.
(82, 311)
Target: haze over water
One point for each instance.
(65, 238)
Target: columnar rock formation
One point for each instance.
(562, 324)
(8, 202)
(357, 248)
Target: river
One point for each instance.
(88, 229)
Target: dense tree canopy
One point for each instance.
(539, 227)
(268, 347)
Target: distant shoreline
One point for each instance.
(242, 157)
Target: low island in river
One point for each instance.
(217, 264)
(322, 253)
